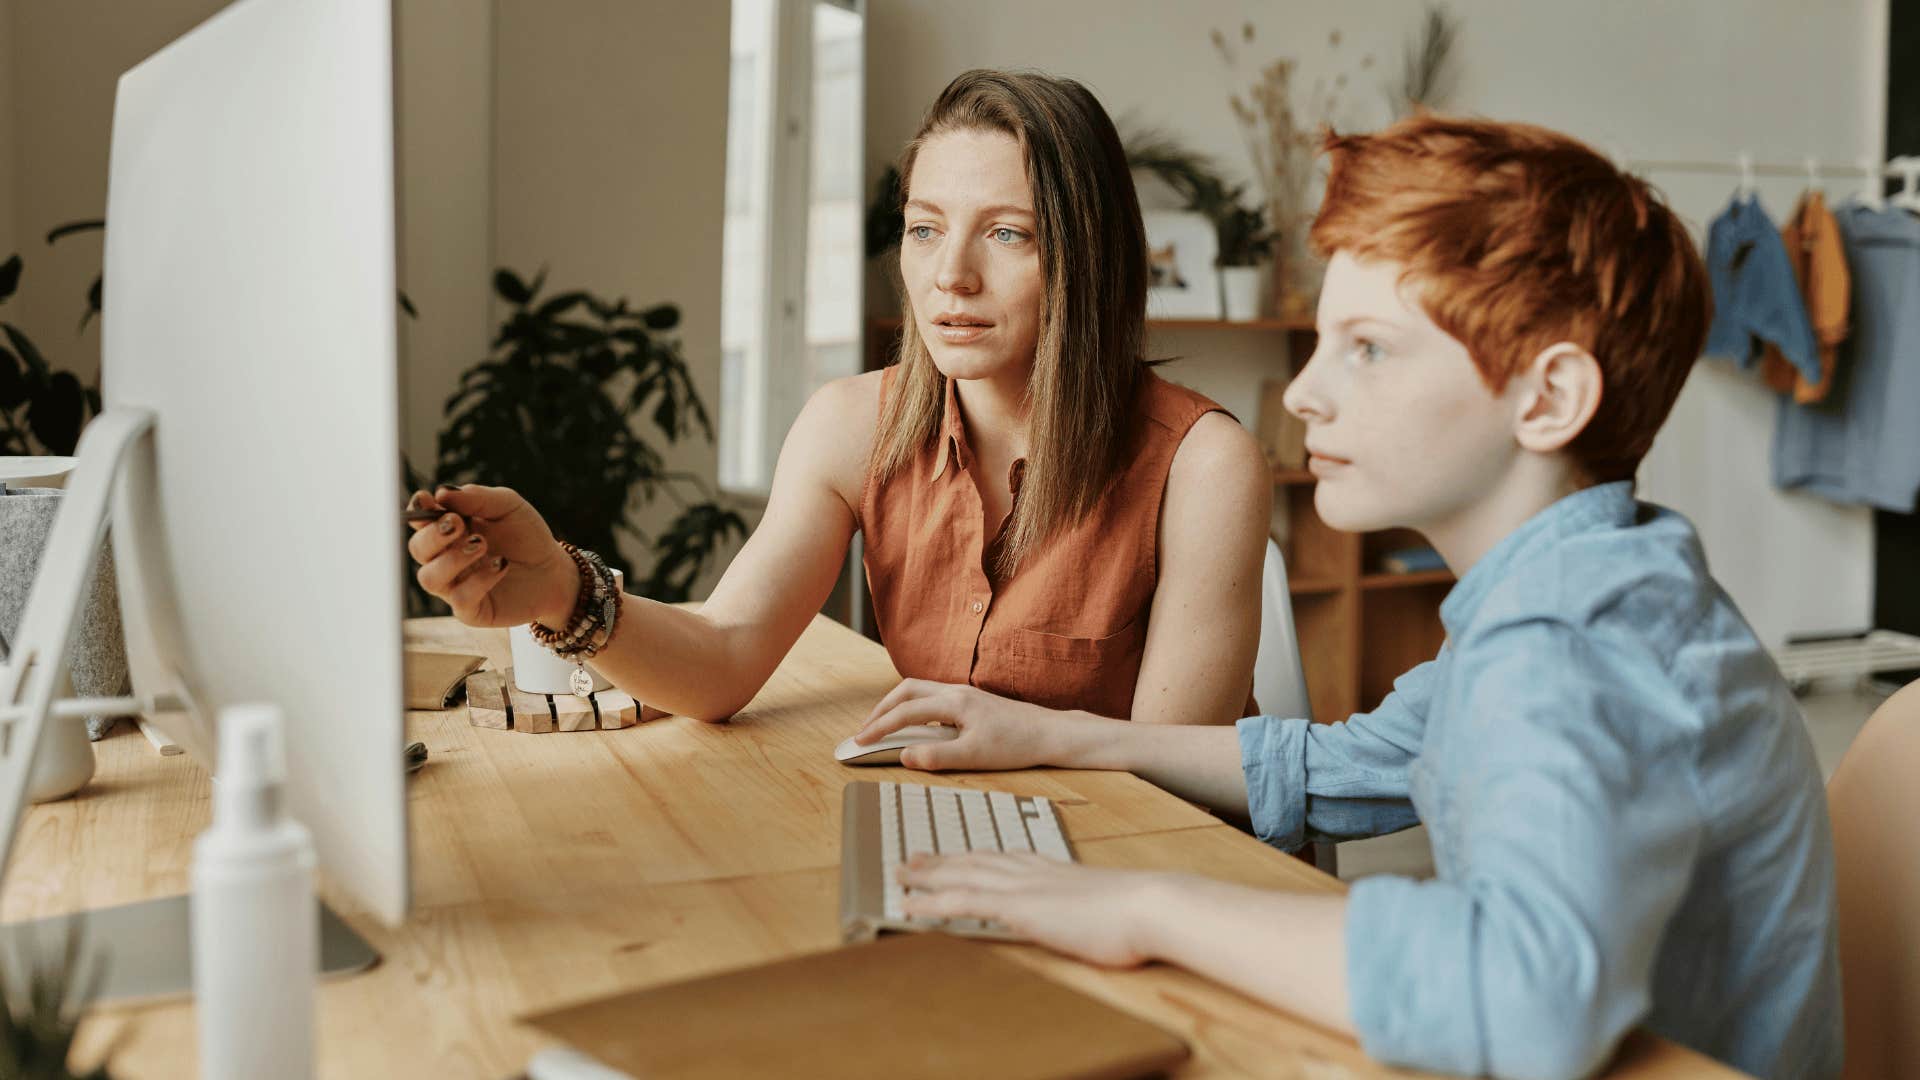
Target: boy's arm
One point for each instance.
(1294, 780)
(1310, 782)
(1568, 813)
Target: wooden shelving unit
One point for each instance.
(1359, 626)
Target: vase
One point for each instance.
(97, 653)
(1240, 292)
(1297, 274)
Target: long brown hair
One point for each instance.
(1093, 257)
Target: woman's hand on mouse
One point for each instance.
(995, 732)
(492, 558)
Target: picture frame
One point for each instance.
(1182, 280)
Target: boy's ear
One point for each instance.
(1561, 393)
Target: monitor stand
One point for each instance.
(145, 951)
(146, 946)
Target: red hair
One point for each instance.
(1517, 238)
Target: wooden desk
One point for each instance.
(551, 868)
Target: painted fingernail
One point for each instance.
(473, 542)
(448, 523)
(499, 562)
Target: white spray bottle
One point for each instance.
(256, 920)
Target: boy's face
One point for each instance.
(1401, 429)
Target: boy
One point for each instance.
(1628, 823)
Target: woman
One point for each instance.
(1049, 526)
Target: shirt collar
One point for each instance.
(1602, 506)
(953, 435)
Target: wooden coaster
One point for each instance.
(494, 702)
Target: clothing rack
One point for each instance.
(1869, 169)
(1892, 169)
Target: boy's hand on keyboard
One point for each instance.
(1097, 915)
(995, 732)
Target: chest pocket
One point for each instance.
(1063, 672)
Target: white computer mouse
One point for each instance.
(886, 751)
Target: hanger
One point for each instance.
(1813, 172)
(1873, 192)
(1908, 197)
(1747, 187)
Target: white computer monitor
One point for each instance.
(250, 307)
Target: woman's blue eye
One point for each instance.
(1364, 351)
(1008, 236)
(921, 232)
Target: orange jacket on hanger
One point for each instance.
(1812, 240)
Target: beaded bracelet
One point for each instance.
(595, 609)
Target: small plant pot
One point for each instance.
(1240, 291)
(97, 658)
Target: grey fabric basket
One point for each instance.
(98, 651)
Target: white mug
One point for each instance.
(537, 671)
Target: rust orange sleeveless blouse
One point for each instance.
(1068, 629)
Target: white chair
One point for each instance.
(1279, 677)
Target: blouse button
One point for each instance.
(977, 606)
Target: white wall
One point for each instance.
(1779, 78)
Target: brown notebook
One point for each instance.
(435, 680)
(919, 1005)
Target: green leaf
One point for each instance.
(9, 276)
(95, 298)
(13, 381)
(510, 287)
(661, 317)
(406, 305)
(56, 414)
(36, 364)
(560, 305)
(72, 227)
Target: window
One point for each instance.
(792, 265)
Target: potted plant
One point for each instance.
(39, 1020)
(1245, 246)
(1245, 241)
(552, 413)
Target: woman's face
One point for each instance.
(970, 256)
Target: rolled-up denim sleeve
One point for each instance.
(1575, 820)
(1308, 782)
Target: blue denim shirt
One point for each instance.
(1628, 823)
(1861, 445)
(1756, 296)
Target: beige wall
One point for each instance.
(445, 135)
(9, 239)
(62, 62)
(610, 126)
(588, 136)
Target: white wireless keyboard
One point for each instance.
(885, 824)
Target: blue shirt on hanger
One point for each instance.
(1756, 298)
(1628, 822)
(1862, 444)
